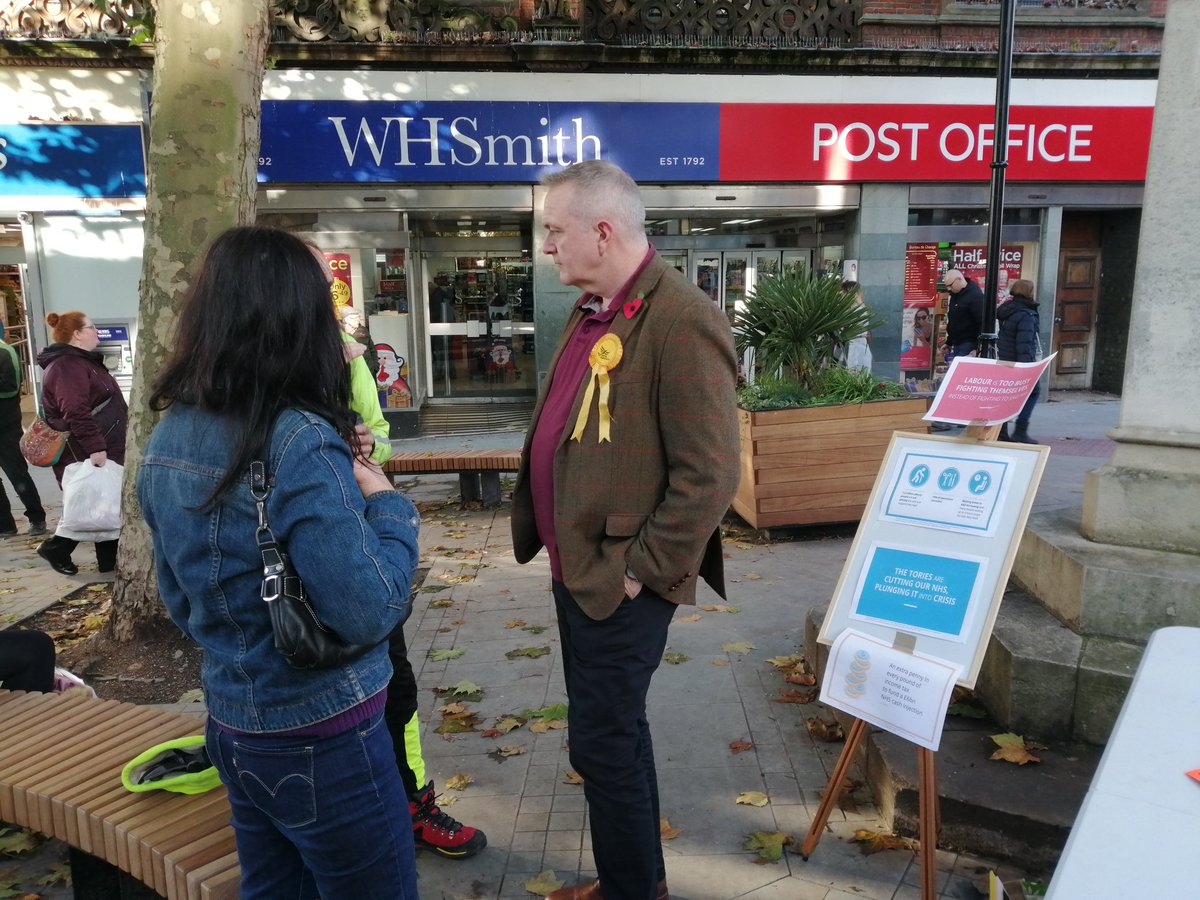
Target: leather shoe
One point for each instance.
(591, 891)
(36, 528)
(57, 563)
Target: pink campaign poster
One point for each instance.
(984, 391)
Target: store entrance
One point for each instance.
(480, 325)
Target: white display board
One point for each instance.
(935, 546)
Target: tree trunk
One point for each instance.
(201, 168)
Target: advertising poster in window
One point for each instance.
(916, 336)
(971, 260)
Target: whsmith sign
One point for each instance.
(336, 141)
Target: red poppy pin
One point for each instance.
(632, 306)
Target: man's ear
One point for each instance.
(604, 234)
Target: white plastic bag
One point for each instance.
(91, 502)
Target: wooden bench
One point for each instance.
(478, 470)
(61, 757)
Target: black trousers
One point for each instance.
(608, 666)
(400, 708)
(27, 661)
(63, 547)
(15, 468)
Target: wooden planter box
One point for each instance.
(817, 465)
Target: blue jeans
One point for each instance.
(318, 817)
(608, 666)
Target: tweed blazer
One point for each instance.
(653, 497)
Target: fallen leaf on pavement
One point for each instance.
(794, 695)
(464, 690)
(441, 603)
(459, 782)
(514, 623)
(667, 831)
(452, 708)
(694, 617)
(543, 883)
(805, 678)
(786, 662)
(1015, 749)
(752, 798)
(535, 629)
(572, 777)
(827, 730)
(195, 695)
(874, 841)
(719, 607)
(445, 653)
(769, 844)
(458, 723)
(675, 658)
(740, 746)
(542, 726)
(720, 662)
(738, 647)
(752, 576)
(459, 622)
(505, 724)
(15, 841)
(505, 751)
(531, 652)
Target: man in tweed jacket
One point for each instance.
(629, 464)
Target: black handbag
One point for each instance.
(300, 637)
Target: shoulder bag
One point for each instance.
(300, 637)
(42, 445)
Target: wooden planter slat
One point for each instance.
(817, 465)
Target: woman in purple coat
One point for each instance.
(79, 395)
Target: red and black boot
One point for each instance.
(442, 834)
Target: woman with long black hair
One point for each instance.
(257, 373)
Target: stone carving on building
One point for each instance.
(755, 20)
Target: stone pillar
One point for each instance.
(1148, 494)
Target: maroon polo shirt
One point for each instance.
(570, 370)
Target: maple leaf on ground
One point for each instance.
(445, 653)
(807, 679)
(874, 841)
(719, 607)
(505, 724)
(543, 883)
(694, 617)
(738, 647)
(441, 603)
(514, 623)
(542, 726)
(500, 754)
(535, 629)
(572, 777)
(554, 711)
(465, 690)
(451, 709)
(752, 798)
(667, 831)
(1015, 749)
(827, 730)
(458, 723)
(794, 695)
(459, 782)
(786, 662)
(15, 841)
(674, 658)
(531, 652)
(740, 746)
(769, 844)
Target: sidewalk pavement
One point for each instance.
(535, 820)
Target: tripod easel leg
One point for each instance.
(929, 822)
(834, 789)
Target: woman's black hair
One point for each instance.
(257, 335)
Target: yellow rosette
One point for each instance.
(605, 355)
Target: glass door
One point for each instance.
(480, 326)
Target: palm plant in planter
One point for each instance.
(813, 435)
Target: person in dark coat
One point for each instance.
(80, 396)
(11, 461)
(1018, 342)
(964, 314)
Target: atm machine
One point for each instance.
(116, 346)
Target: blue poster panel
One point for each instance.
(71, 161)
(482, 142)
(913, 591)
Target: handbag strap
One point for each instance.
(274, 569)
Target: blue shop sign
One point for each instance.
(483, 142)
(71, 161)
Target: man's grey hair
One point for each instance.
(603, 190)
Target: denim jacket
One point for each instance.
(356, 558)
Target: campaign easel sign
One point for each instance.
(932, 555)
(984, 391)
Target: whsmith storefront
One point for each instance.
(422, 190)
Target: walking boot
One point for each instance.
(442, 834)
(59, 561)
(1021, 434)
